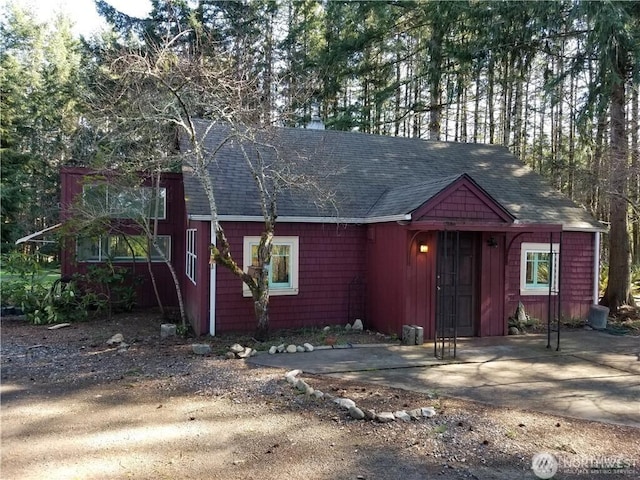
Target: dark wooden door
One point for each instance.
(456, 283)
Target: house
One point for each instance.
(434, 234)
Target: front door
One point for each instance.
(456, 284)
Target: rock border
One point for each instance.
(355, 412)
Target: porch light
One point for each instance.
(423, 247)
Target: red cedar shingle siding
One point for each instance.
(330, 257)
(463, 204)
(576, 282)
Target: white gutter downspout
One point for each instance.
(596, 269)
(212, 287)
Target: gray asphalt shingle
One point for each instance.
(373, 176)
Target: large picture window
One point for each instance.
(283, 270)
(121, 248)
(125, 202)
(191, 257)
(539, 268)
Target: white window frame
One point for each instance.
(294, 245)
(138, 193)
(530, 247)
(191, 255)
(103, 255)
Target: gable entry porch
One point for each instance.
(462, 276)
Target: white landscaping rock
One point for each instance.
(300, 349)
(281, 348)
(357, 325)
(292, 349)
(415, 414)
(347, 327)
(428, 412)
(345, 403)
(301, 385)
(385, 417)
(293, 373)
(402, 415)
(246, 353)
(236, 348)
(308, 347)
(117, 338)
(327, 328)
(318, 394)
(273, 350)
(356, 413)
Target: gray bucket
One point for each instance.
(598, 317)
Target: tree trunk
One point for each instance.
(618, 291)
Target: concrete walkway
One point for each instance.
(594, 375)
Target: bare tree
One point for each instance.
(127, 209)
(198, 95)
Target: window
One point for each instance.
(120, 248)
(537, 260)
(283, 270)
(190, 267)
(125, 202)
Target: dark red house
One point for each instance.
(434, 234)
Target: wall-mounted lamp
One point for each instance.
(423, 247)
(492, 242)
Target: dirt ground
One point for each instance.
(73, 407)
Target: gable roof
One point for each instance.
(375, 178)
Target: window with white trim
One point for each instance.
(191, 260)
(539, 266)
(283, 269)
(125, 202)
(122, 248)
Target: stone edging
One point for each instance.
(355, 412)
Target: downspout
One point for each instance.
(212, 286)
(596, 269)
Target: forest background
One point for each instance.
(555, 82)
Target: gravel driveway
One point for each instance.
(74, 407)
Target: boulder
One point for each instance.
(308, 347)
(281, 348)
(229, 355)
(357, 325)
(291, 349)
(300, 349)
(273, 350)
(236, 348)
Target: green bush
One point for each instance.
(27, 285)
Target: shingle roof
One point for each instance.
(376, 176)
